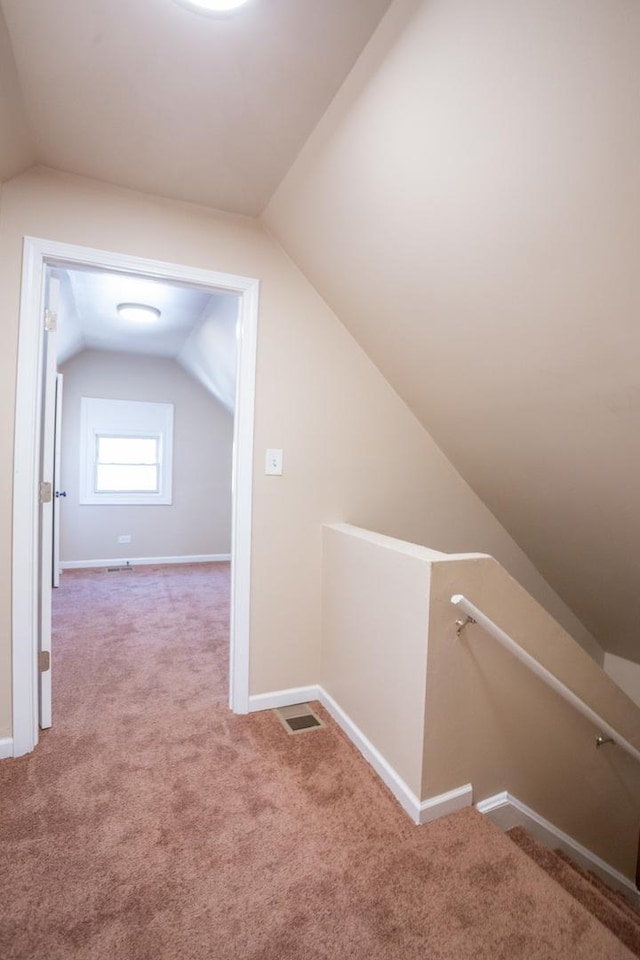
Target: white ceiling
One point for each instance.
(196, 328)
(92, 298)
(149, 95)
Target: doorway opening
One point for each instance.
(109, 279)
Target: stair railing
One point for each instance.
(475, 615)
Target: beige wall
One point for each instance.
(489, 722)
(375, 618)
(353, 451)
(199, 519)
(625, 673)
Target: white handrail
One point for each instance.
(480, 618)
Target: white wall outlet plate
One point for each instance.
(124, 538)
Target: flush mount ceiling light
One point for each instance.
(213, 7)
(138, 312)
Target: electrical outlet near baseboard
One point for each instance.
(124, 538)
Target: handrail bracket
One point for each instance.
(461, 624)
(601, 740)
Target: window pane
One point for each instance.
(112, 479)
(127, 449)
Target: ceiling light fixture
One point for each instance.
(213, 7)
(138, 312)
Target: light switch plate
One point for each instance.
(273, 465)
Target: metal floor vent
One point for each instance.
(298, 718)
(121, 569)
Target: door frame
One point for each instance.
(38, 254)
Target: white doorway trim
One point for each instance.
(37, 256)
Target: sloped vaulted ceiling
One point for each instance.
(470, 208)
(17, 150)
(149, 95)
(194, 327)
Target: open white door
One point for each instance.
(47, 499)
(58, 492)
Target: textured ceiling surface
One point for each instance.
(149, 95)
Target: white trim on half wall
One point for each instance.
(144, 561)
(420, 811)
(39, 254)
(506, 811)
(283, 698)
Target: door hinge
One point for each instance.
(45, 491)
(50, 320)
(44, 661)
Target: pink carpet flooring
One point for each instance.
(152, 824)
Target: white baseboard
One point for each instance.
(420, 812)
(283, 698)
(445, 803)
(6, 748)
(507, 811)
(403, 794)
(142, 561)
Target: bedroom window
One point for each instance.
(127, 464)
(125, 452)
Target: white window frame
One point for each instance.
(101, 417)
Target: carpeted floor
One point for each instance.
(151, 824)
(609, 906)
